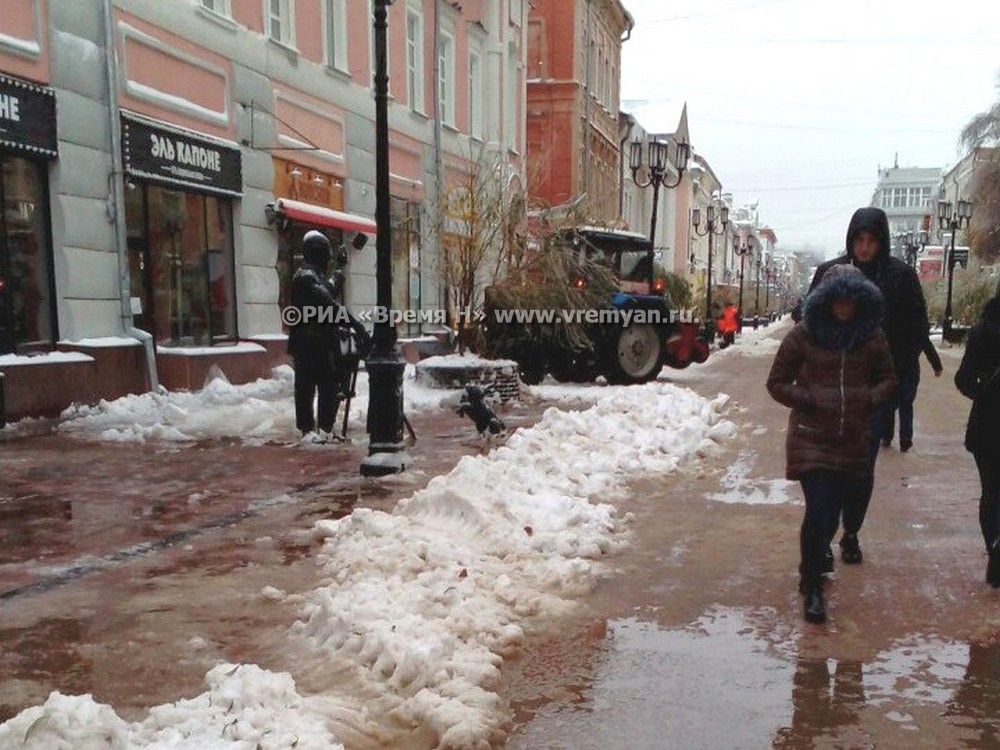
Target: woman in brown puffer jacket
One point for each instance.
(833, 370)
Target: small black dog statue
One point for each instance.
(473, 405)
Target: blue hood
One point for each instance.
(843, 282)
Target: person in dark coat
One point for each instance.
(909, 382)
(907, 330)
(834, 369)
(978, 378)
(315, 342)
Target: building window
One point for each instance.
(27, 319)
(415, 60)
(280, 19)
(475, 95)
(181, 264)
(336, 34)
(446, 79)
(406, 289)
(222, 7)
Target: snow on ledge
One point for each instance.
(47, 358)
(103, 342)
(464, 360)
(244, 347)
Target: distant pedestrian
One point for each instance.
(906, 328)
(978, 378)
(909, 381)
(834, 369)
(728, 324)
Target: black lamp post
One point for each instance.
(710, 230)
(953, 220)
(768, 269)
(385, 365)
(756, 304)
(742, 246)
(653, 170)
(913, 243)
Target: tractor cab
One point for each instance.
(629, 254)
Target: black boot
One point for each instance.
(993, 568)
(850, 550)
(828, 561)
(814, 608)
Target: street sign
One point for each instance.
(961, 256)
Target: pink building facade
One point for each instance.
(156, 200)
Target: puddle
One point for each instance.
(732, 678)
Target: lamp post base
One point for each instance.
(386, 454)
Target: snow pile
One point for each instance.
(464, 360)
(741, 489)
(259, 412)
(428, 599)
(244, 708)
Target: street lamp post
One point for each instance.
(913, 243)
(953, 220)
(767, 291)
(385, 365)
(742, 247)
(648, 162)
(710, 230)
(756, 304)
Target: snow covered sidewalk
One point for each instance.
(259, 412)
(424, 602)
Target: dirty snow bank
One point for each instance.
(258, 412)
(244, 708)
(428, 599)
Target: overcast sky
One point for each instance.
(796, 103)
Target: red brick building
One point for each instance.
(574, 76)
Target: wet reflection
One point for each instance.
(826, 695)
(976, 705)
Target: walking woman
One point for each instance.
(834, 369)
(978, 378)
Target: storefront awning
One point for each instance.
(307, 213)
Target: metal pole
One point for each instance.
(946, 327)
(656, 208)
(385, 366)
(709, 322)
(743, 258)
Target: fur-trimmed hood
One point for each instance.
(843, 282)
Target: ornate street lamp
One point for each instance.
(710, 230)
(742, 246)
(385, 365)
(649, 164)
(953, 220)
(756, 304)
(913, 243)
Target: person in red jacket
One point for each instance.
(728, 324)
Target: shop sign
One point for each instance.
(180, 158)
(301, 183)
(28, 117)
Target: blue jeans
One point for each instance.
(827, 493)
(906, 394)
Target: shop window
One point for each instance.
(181, 264)
(405, 259)
(27, 317)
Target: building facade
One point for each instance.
(574, 76)
(155, 198)
(907, 195)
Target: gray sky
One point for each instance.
(796, 103)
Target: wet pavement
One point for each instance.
(127, 571)
(698, 640)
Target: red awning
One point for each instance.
(307, 213)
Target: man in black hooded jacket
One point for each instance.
(906, 327)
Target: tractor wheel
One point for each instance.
(636, 355)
